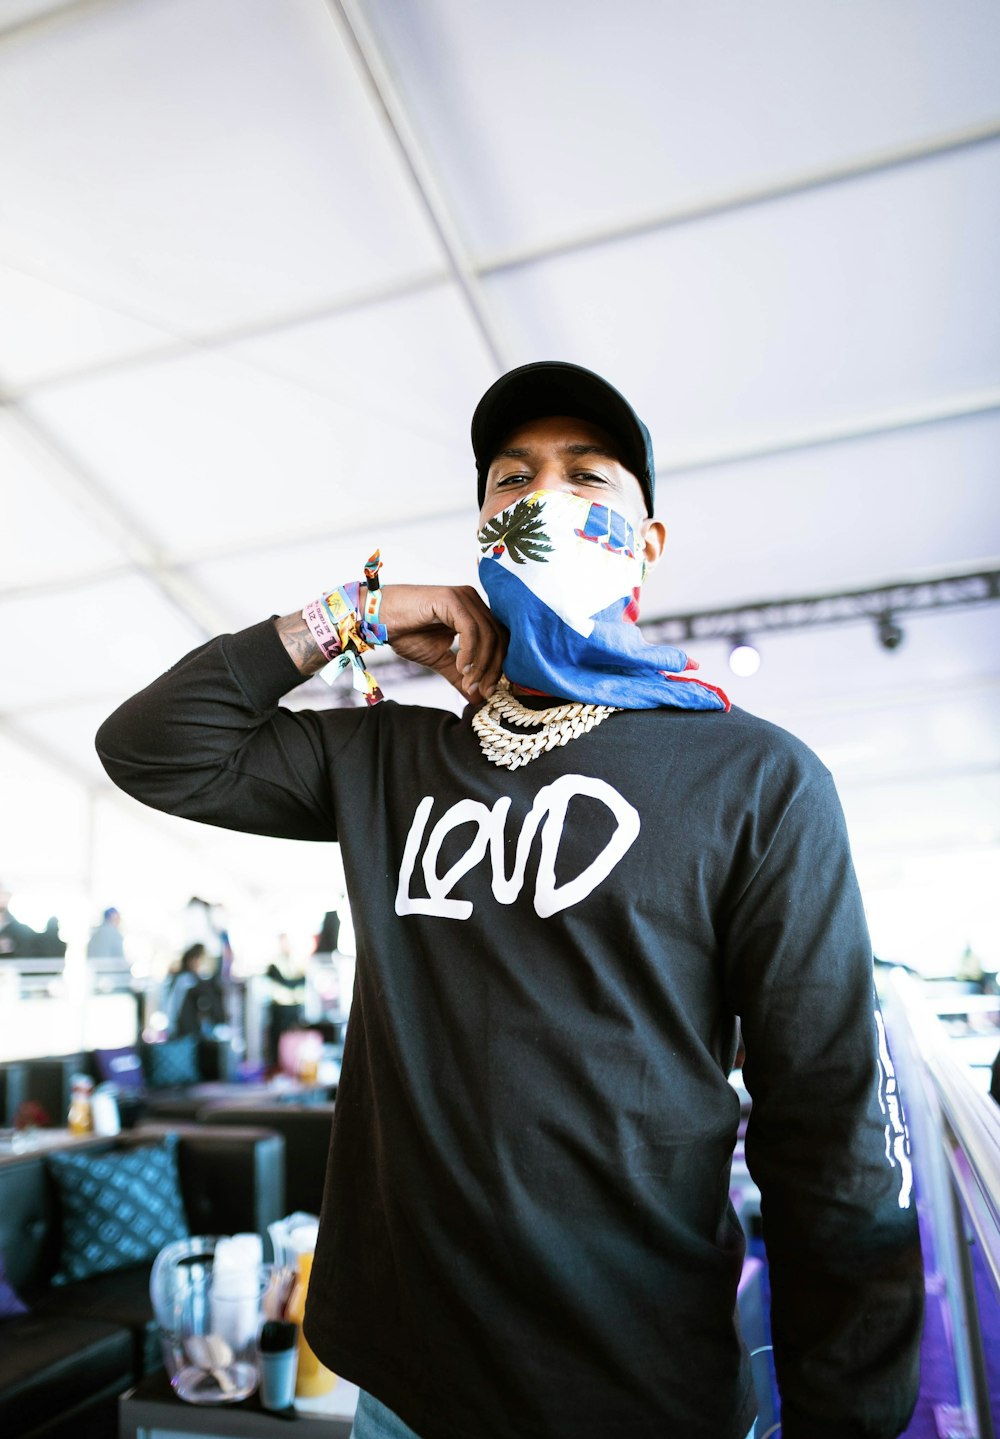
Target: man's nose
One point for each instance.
(552, 476)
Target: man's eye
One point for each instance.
(511, 480)
(591, 478)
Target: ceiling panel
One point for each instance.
(47, 538)
(201, 163)
(220, 453)
(116, 634)
(22, 12)
(48, 331)
(551, 121)
(417, 362)
(65, 729)
(836, 304)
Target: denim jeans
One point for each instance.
(374, 1421)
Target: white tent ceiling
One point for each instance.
(259, 258)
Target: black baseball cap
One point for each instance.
(553, 387)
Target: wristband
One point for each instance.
(322, 629)
(343, 634)
(372, 567)
(341, 608)
(375, 633)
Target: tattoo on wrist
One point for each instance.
(298, 641)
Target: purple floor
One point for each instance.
(937, 1371)
(989, 1318)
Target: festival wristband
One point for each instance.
(323, 631)
(375, 633)
(341, 608)
(372, 566)
(343, 633)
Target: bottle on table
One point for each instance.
(80, 1118)
(313, 1377)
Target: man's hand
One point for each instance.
(423, 622)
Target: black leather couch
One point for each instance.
(305, 1129)
(63, 1364)
(13, 1090)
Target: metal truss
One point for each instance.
(881, 603)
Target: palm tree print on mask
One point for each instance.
(520, 531)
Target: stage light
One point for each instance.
(744, 659)
(890, 634)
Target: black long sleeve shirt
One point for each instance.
(526, 1227)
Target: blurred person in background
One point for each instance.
(205, 923)
(195, 1002)
(328, 975)
(17, 940)
(564, 901)
(49, 943)
(970, 970)
(287, 976)
(106, 941)
(328, 939)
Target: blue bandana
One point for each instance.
(563, 574)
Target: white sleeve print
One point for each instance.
(897, 1141)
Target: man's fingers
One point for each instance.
(482, 642)
(413, 613)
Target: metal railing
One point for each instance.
(31, 976)
(955, 1130)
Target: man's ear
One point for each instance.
(653, 534)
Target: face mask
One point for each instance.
(575, 556)
(563, 573)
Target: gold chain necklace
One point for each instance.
(543, 729)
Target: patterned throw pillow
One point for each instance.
(117, 1208)
(10, 1303)
(173, 1063)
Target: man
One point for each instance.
(106, 940)
(561, 909)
